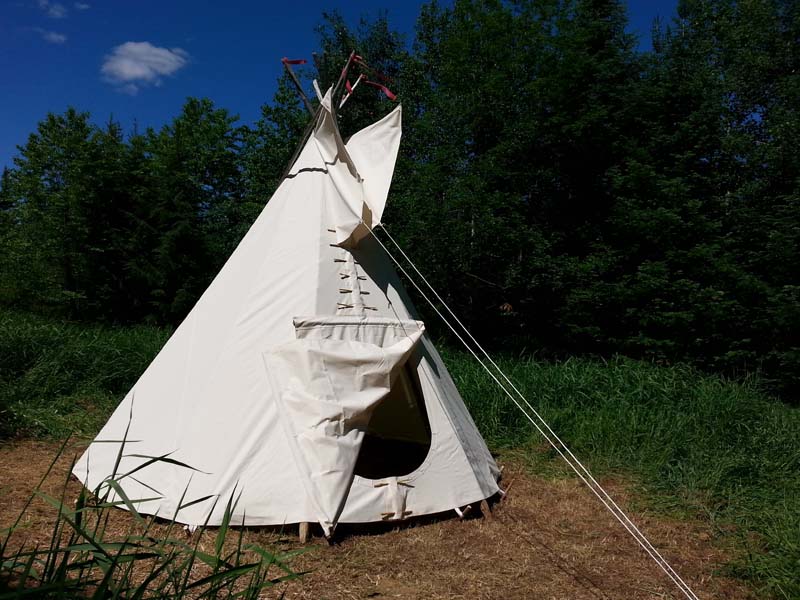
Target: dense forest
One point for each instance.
(567, 191)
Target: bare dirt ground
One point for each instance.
(548, 539)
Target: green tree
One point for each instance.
(525, 114)
(48, 191)
(197, 188)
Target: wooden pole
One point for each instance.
(306, 101)
(305, 532)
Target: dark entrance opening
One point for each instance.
(398, 437)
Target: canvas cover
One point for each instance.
(237, 394)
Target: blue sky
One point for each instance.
(139, 60)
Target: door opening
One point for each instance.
(398, 437)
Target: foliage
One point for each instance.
(100, 227)
(149, 561)
(571, 192)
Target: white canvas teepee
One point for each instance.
(301, 382)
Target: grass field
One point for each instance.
(694, 443)
(57, 378)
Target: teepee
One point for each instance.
(302, 382)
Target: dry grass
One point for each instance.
(548, 539)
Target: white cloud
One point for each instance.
(54, 10)
(129, 88)
(133, 65)
(82, 6)
(52, 37)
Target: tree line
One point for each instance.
(567, 190)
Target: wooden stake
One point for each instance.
(305, 532)
(504, 493)
(486, 510)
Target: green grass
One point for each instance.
(60, 378)
(697, 444)
(151, 560)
